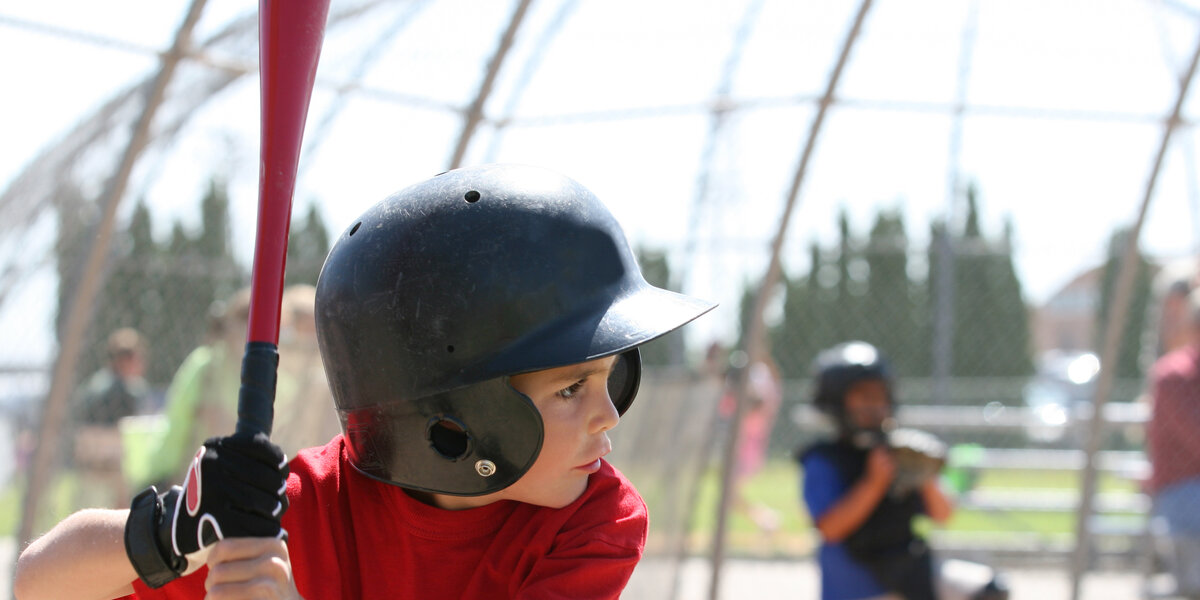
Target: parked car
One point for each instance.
(1059, 401)
(1060, 394)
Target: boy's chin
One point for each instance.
(560, 498)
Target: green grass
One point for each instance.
(777, 487)
(58, 503)
(1012, 478)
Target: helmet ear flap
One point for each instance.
(625, 378)
(465, 442)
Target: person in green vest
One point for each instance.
(201, 400)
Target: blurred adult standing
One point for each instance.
(1171, 288)
(304, 414)
(1174, 449)
(764, 396)
(115, 391)
(202, 398)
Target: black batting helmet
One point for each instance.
(437, 294)
(839, 367)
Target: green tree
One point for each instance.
(865, 291)
(212, 246)
(190, 274)
(991, 328)
(130, 296)
(1010, 314)
(668, 350)
(1128, 365)
(136, 285)
(847, 318)
(112, 308)
(76, 230)
(972, 296)
(807, 326)
(308, 244)
(941, 273)
(892, 326)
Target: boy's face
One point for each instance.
(576, 413)
(867, 404)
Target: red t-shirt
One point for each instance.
(1171, 435)
(352, 537)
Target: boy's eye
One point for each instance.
(570, 391)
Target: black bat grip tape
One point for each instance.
(256, 398)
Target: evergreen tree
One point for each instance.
(806, 327)
(117, 303)
(988, 327)
(172, 329)
(1010, 319)
(191, 273)
(668, 350)
(139, 287)
(991, 328)
(889, 299)
(308, 244)
(972, 345)
(928, 326)
(820, 308)
(212, 246)
(745, 308)
(120, 301)
(848, 314)
(76, 230)
(1128, 365)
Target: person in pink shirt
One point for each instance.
(764, 395)
(1173, 444)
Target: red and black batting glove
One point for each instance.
(235, 487)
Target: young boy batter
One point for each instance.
(480, 332)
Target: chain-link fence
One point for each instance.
(1017, 428)
(1011, 388)
(1016, 425)
(1013, 471)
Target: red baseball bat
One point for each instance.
(289, 45)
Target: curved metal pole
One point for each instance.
(754, 342)
(943, 317)
(540, 50)
(1123, 294)
(55, 407)
(720, 118)
(475, 111)
(721, 108)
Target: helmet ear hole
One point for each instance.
(448, 438)
(625, 379)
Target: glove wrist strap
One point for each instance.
(154, 565)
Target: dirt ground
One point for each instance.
(780, 580)
(768, 580)
(789, 580)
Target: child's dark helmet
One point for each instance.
(431, 299)
(838, 368)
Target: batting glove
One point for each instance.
(235, 487)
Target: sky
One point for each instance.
(1065, 106)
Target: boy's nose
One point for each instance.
(606, 416)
